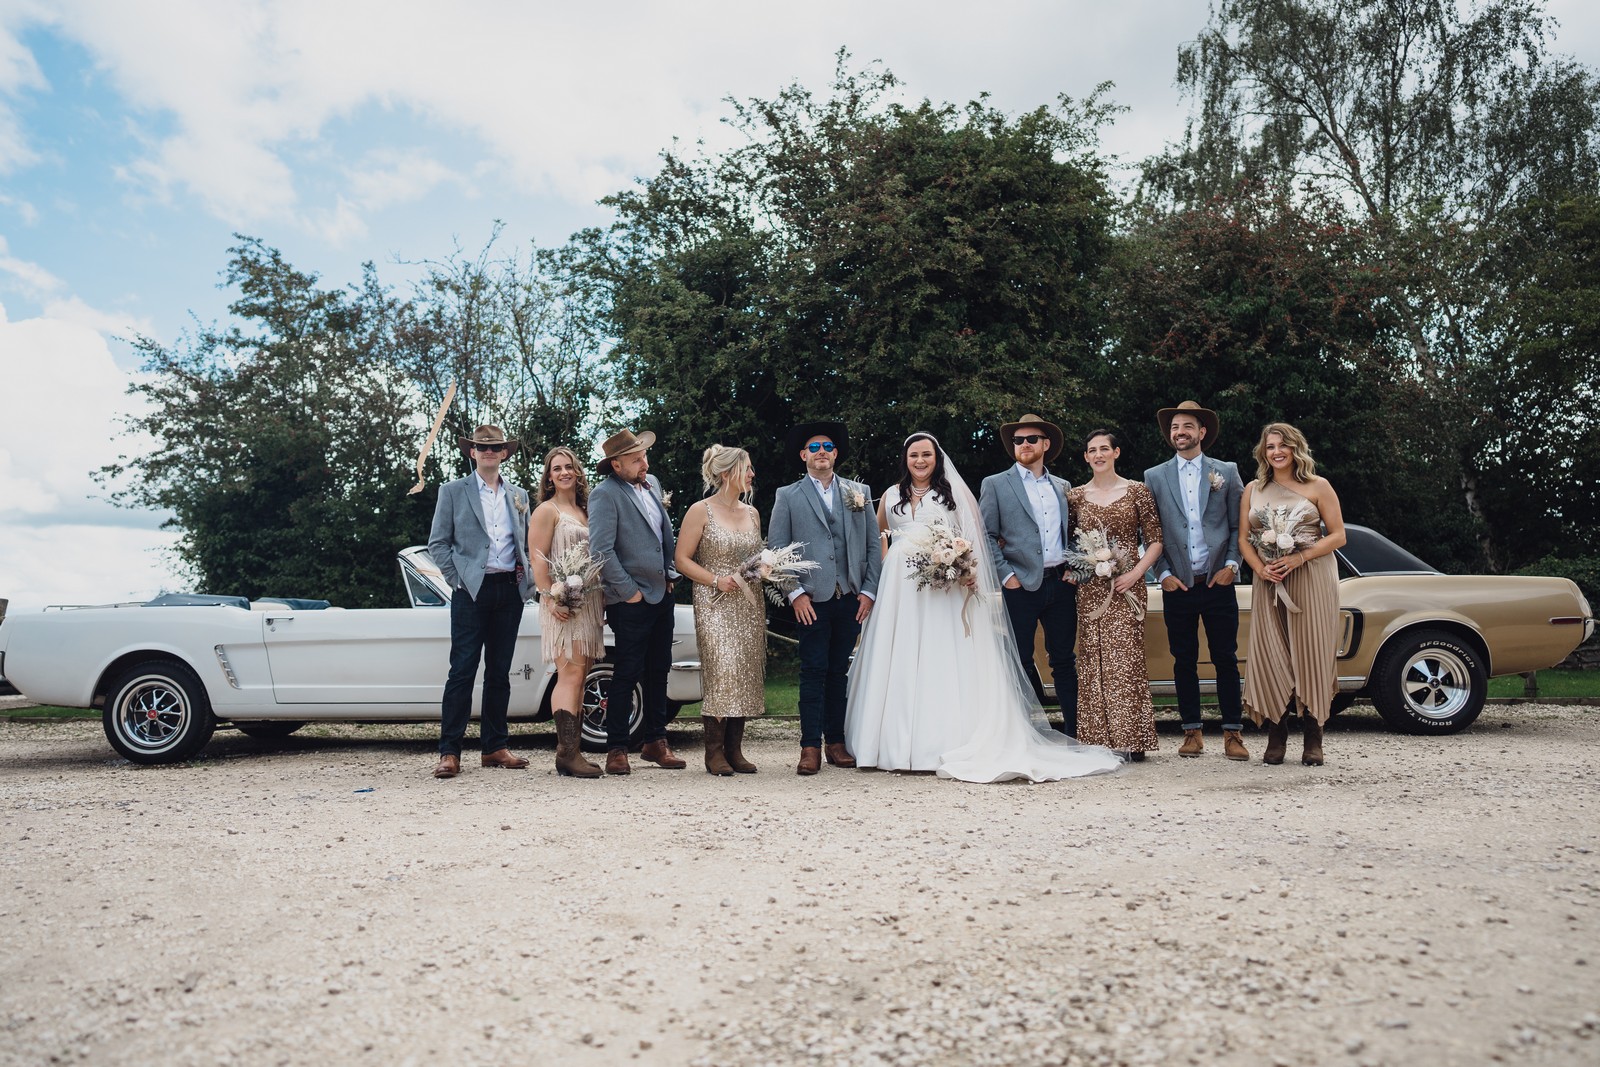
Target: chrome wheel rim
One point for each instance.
(596, 702)
(1436, 684)
(153, 714)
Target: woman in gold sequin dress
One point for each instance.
(1294, 609)
(571, 641)
(1114, 707)
(719, 534)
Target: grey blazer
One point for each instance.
(798, 514)
(458, 544)
(1012, 530)
(633, 559)
(1219, 515)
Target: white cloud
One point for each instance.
(33, 280)
(72, 564)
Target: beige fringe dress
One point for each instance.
(1294, 633)
(580, 633)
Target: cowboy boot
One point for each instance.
(1233, 745)
(569, 753)
(1277, 741)
(732, 746)
(716, 763)
(1193, 743)
(1312, 755)
(838, 754)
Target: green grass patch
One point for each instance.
(1553, 685)
(49, 711)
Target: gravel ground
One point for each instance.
(322, 899)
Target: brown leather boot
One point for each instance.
(810, 760)
(716, 762)
(1193, 744)
(838, 755)
(569, 751)
(660, 753)
(1277, 741)
(1312, 755)
(617, 761)
(1233, 745)
(448, 767)
(732, 746)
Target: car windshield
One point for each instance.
(1366, 551)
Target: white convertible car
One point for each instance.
(167, 673)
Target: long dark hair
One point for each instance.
(938, 485)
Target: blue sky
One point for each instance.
(136, 136)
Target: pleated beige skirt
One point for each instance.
(1292, 653)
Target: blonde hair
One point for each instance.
(718, 461)
(1305, 468)
(547, 485)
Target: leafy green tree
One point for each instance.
(283, 445)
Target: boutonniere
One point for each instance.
(520, 502)
(666, 500)
(854, 499)
(1216, 481)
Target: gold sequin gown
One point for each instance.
(1114, 707)
(1293, 652)
(579, 634)
(730, 628)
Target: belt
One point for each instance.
(500, 576)
(1056, 571)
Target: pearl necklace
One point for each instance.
(916, 492)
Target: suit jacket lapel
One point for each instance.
(652, 521)
(474, 500)
(811, 494)
(1022, 493)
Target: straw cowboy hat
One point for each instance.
(1051, 430)
(834, 431)
(490, 435)
(621, 444)
(1206, 417)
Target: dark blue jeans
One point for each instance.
(825, 648)
(484, 628)
(643, 656)
(1218, 607)
(1055, 606)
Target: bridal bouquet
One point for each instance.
(941, 560)
(574, 574)
(1096, 554)
(1278, 530)
(776, 570)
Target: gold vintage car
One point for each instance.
(1422, 645)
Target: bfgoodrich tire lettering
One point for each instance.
(158, 712)
(1429, 682)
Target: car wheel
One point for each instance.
(158, 712)
(267, 731)
(1429, 682)
(596, 697)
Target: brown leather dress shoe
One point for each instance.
(838, 755)
(617, 761)
(502, 757)
(1233, 745)
(660, 753)
(448, 767)
(810, 760)
(1193, 743)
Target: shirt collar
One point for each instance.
(483, 486)
(1197, 462)
(823, 489)
(1030, 476)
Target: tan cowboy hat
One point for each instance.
(620, 444)
(1051, 430)
(1206, 416)
(490, 435)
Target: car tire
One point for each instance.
(267, 731)
(596, 697)
(1429, 682)
(158, 712)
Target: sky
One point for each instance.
(137, 136)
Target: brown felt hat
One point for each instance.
(490, 435)
(621, 444)
(1206, 417)
(1051, 430)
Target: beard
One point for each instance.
(643, 480)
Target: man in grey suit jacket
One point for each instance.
(1198, 500)
(1026, 521)
(833, 517)
(479, 542)
(631, 534)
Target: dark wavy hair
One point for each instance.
(547, 487)
(939, 484)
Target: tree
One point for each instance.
(282, 444)
(1438, 125)
(899, 267)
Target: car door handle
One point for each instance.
(273, 620)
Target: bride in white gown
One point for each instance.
(926, 696)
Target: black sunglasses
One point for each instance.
(489, 448)
(1027, 439)
(820, 446)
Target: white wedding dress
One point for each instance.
(926, 696)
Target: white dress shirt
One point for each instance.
(825, 490)
(1191, 487)
(497, 520)
(652, 509)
